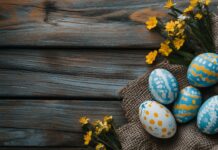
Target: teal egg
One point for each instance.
(186, 106)
(163, 86)
(207, 119)
(203, 70)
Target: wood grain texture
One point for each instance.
(68, 73)
(76, 23)
(50, 122)
(44, 148)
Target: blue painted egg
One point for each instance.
(163, 86)
(203, 70)
(186, 106)
(207, 119)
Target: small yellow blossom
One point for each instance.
(180, 24)
(98, 130)
(198, 16)
(169, 4)
(194, 3)
(87, 137)
(84, 120)
(207, 2)
(150, 58)
(165, 49)
(178, 43)
(180, 32)
(100, 126)
(151, 23)
(170, 26)
(98, 123)
(107, 118)
(188, 9)
(100, 146)
(106, 126)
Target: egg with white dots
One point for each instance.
(157, 120)
(163, 86)
(207, 119)
(186, 106)
(203, 70)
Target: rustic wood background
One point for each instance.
(62, 59)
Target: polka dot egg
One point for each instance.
(186, 106)
(163, 86)
(207, 119)
(157, 120)
(203, 70)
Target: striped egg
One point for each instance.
(186, 106)
(207, 119)
(163, 86)
(157, 120)
(203, 70)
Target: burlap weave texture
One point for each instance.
(132, 135)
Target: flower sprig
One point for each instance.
(187, 33)
(100, 133)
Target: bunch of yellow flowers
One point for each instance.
(100, 133)
(187, 33)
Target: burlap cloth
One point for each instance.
(132, 135)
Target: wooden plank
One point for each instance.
(68, 73)
(77, 23)
(50, 122)
(44, 148)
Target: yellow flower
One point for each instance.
(165, 50)
(188, 9)
(207, 2)
(178, 43)
(98, 123)
(169, 4)
(100, 146)
(84, 120)
(170, 26)
(87, 137)
(151, 23)
(108, 118)
(150, 58)
(106, 126)
(180, 32)
(194, 2)
(98, 130)
(198, 16)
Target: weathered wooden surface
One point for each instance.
(44, 148)
(76, 23)
(50, 122)
(44, 92)
(68, 73)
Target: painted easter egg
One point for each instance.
(186, 106)
(157, 120)
(207, 119)
(203, 70)
(163, 86)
